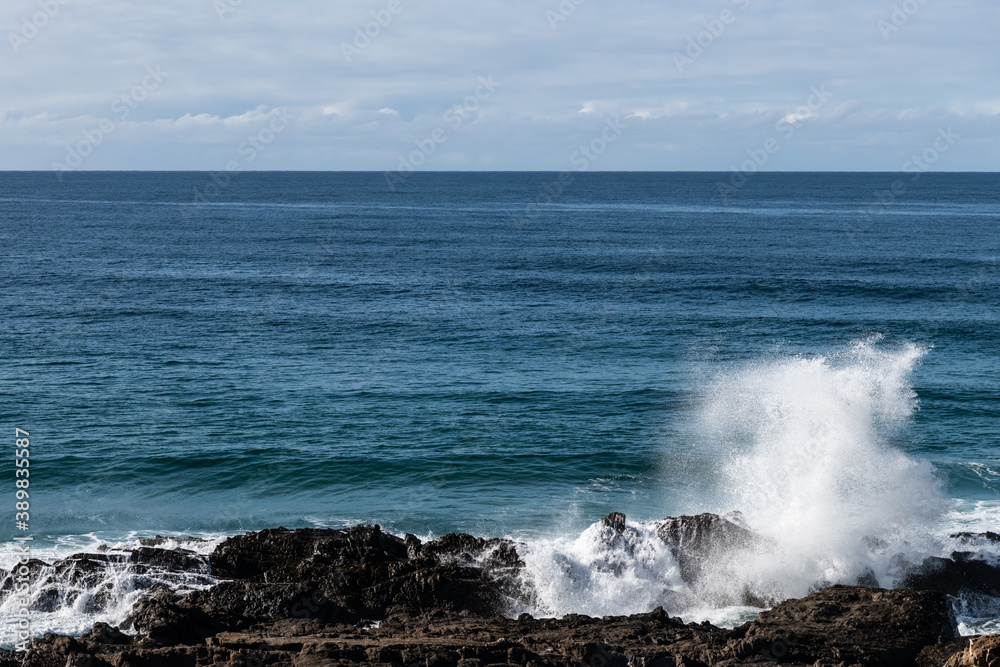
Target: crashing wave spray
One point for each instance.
(79, 590)
(812, 471)
(820, 494)
(607, 570)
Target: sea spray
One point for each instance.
(81, 590)
(602, 572)
(805, 454)
(812, 469)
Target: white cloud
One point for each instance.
(606, 60)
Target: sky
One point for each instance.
(440, 85)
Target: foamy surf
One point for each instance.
(70, 599)
(805, 452)
(601, 572)
(811, 466)
(809, 449)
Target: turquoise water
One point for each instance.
(463, 355)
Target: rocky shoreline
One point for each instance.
(362, 596)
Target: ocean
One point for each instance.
(507, 354)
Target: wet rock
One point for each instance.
(696, 541)
(964, 572)
(868, 579)
(307, 597)
(160, 540)
(178, 560)
(851, 625)
(104, 634)
(977, 538)
(238, 604)
(166, 620)
(285, 555)
(615, 521)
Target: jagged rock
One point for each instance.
(305, 598)
(284, 555)
(102, 633)
(364, 571)
(842, 625)
(938, 654)
(697, 540)
(180, 560)
(615, 521)
(468, 550)
(167, 620)
(966, 572)
(980, 652)
(851, 625)
(977, 538)
(963, 572)
(160, 540)
(334, 576)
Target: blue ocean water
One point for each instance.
(481, 352)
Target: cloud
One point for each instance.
(606, 60)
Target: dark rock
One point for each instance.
(284, 555)
(615, 521)
(237, 604)
(166, 620)
(102, 633)
(179, 560)
(962, 573)
(696, 541)
(160, 540)
(468, 550)
(938, 654)
(868, 579)
(305, 598)
(102, 578)
(852, 625)
(7, 578)
(977, 538)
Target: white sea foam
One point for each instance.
(804, 450)
(70, 603)
(811, 467)
(601, 572)
(50, 550)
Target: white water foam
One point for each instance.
(63, 546)
(601, 572)
(70, 603)
(811, 468)
(804, 451)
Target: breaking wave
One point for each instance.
(808, 464)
